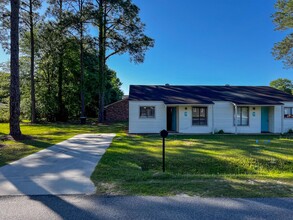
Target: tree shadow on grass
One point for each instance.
(35, 177)
(132, 168)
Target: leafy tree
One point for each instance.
(78, 18)
(283, 20)
(284, 85)
(4, 87)
(4, 96)
(120, 31)
(14, 69)
(113, 85)
(58, 26)
(30, 17)
(5, 24)
(66, 58)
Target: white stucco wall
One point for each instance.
(147, 125)
(223, 112)
(185, 121)
(288, 122)
(272, 119)
(278, 116)
(224, 119)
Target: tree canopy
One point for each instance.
(63, 63)
(284, 85)
(283, 20)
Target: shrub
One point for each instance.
(221, 132)
(4, 113)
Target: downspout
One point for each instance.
(213, 120)
(282, 119)
(235, 118)
(166, 127)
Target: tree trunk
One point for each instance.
(102, 59)
(82, 79)
(81, 62)
(61, 107)
(60, 89)
(32, 70)
(14, 69)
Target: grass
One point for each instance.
(44, 135)
(207, 165)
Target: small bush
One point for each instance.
(4, 113)
(221, 132)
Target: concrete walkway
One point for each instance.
(62, 169)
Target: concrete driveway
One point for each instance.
(62, 169)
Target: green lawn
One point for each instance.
(206, 165)
(45, 135)
(219, 165)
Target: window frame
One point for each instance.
(239, 110)
(147, 117)
(291, 113)
(206, 115)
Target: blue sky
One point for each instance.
(211, 42)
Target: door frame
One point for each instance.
(173, 119)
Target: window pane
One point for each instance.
(195, 121)
(143, 112)
(202, 112)
(199, 116)
(203, 121)
(147, 112)
(195, 112)
(288, 112)
(244, 115)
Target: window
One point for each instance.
(147, 112)
(242, 116)
(199, 116)
(288, 112)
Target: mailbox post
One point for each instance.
(164, 134)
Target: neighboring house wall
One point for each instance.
(288, 122)
(147, 125)
(117, 111)
(185, 121)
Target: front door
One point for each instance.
(264, 119)
(171, 118)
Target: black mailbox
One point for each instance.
(164, 133)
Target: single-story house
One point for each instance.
(208, 109)
(117, 111)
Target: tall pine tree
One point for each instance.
(120, 31)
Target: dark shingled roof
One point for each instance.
(240, 95)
